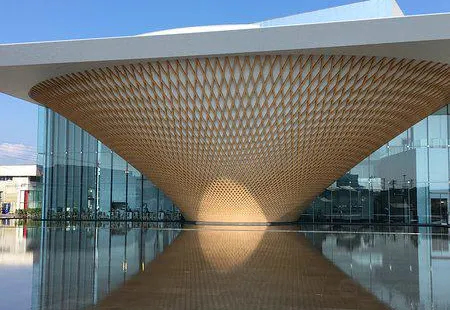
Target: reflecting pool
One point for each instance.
(124, 265)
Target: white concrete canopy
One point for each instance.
(422, 37)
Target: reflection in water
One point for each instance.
(19, 262)
(88, 263)
(127, 266)
(407, 268)
(234, 245)
(283, 271)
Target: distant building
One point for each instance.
(20, 187)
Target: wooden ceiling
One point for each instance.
(248, 138)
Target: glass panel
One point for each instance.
(438, 165)
(119, 188)
(74, 163)
(422, 165)
(150, 200)
(60, 167)
(423, 203)
(89, 176)
(419, 134)
(400, 140)
(439, 197)
(134, 198)
(105, 178)
(437, 131)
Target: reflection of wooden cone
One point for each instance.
(249, 138)
(227, 250)
(203, 270)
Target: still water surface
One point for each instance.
(160, 266)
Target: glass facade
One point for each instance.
(405, 181)
(84, 179)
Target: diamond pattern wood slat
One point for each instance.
(224, 269)
(248, 138)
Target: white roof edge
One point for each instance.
(243, 41)
(425, 37)
(252, 26)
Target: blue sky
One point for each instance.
(24, 21)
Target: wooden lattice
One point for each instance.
(204, 269)
(248, 138)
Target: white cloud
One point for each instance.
(12, 154)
